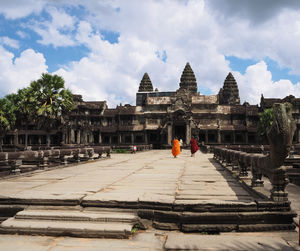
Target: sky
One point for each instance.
(102, 48)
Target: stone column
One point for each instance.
(132, 138)
(39, 139)
(206, 136)
(219, 136)
(16, 137)
(146, 138)
(298, 131)
(246, 137)
(72, 139)
(100, 138)
(170, 134)
(188, 133)
(233, 134)
(78, 137)
(120, 138)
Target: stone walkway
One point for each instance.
(153, 176)
(146, 176)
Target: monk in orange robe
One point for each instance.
(176, 148)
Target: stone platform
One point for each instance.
(184, 193)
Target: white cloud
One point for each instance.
(22, 34)
(13, 9)
(257, 80)
(19, 72)
(201, 32)
(58, 31)
(9, 42)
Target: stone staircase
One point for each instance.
(76, 222)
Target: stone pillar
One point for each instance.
(188, 133)
(246, 137)
(233, 134)
(120, 138)
(110, 139)
(298, 131)
(206, 136)
(170, 134)
(132, 138)
(72, 135)
(16, 137)
(219, 136)
(39, 139)
(78, 137)
(146, 138)
(100, 138)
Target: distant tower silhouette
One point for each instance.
(188, 79)
(229, 94)
(146, 85)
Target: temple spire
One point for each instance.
(188, 79)
(229, 94)
(146, 84)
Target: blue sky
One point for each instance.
(103, 48)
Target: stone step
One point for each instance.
(84, 229)
(72, 221)
(76, 215)
(220, 221)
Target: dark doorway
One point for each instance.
(179, 132)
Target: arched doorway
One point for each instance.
(179, 125)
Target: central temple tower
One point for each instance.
(188, 79)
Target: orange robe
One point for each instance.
(176, 147)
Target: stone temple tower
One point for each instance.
(146, 84)
(188, 79)
(229, 94)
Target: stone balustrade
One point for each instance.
(141, 147)
(24, 161)
(242, 163)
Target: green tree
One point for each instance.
(26, 103)
(7, 118)
(265, 122)
(53, 100)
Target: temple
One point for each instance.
(158, 117)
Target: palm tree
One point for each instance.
(53, 100)
(26, 105)
(7, 118)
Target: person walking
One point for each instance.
(194, 146)
(175, 147)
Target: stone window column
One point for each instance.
(16, 137)
(170, 134)
(246, 137)
(145, 138)
(100, 138)
(188, 133)
(72, 140)
(206, 136)
(219, 136)
(120, 138)
(233, 133)
(132, 138)
(298, 138)
(78, 137)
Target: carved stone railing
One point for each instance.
(139, 147)
(280, 137)
(24, 161)
(254, 166)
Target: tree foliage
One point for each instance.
(7, 117)
(44, 102)
(265, 121)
